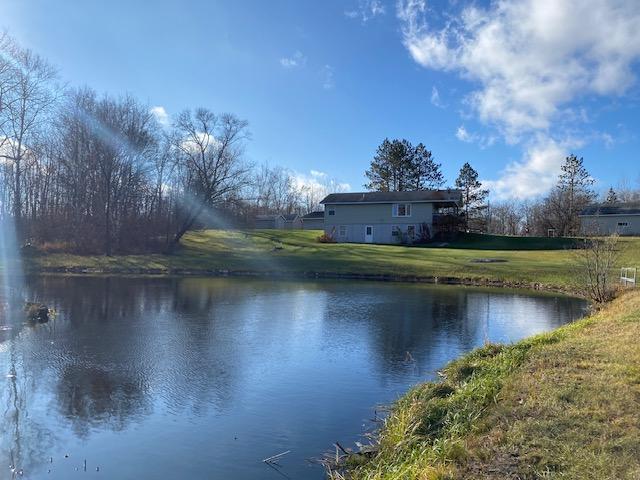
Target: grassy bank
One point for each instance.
(565, 404)
(512, 260)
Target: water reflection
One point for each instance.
(207, 376)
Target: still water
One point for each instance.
(148, 378)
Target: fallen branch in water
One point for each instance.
(274, 459)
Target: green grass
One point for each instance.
(521, 259)
(565, 404)
(503, 242)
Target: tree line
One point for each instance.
(557, 213)
(400, 166)
(99, 173)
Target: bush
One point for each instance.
(596, 260)
(326, 238)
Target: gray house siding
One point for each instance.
(610, 224)
(293, 224)
(269, 222)
(349, 221)
(313, 223)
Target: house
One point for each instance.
(388, 217)
(609, 218)
(292, 221)
(270, 221)
(313, 221)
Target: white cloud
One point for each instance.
(435, 97)
(531, 61)
(161, 115)
(463, 135)
(295, 60)
(536, 172)
(318, 183)
(483, 141)
(328, 81)
(366, 10)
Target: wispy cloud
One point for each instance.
(463, 135)
(328, 80)
(319, 182)
(533, 61)
(466, 136)
(295, 60)
(365, 10)
(435, 98)
(161, 115)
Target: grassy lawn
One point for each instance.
(560, 405)
(521, 260)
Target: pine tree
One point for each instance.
(425, 172)
(473, 195)
(574, 189)
(399, 166)
(612, 196)
(389, 170)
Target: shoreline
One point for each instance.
(455, 421)
(221, 273)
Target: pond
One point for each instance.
(148, 378)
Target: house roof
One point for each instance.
(630, 208)
(290, 217)
(453, 197)
(268, 217)
(312, 215)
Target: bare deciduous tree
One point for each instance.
(208, 151)
(596, 259)
(28, 96)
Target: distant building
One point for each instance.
(389, 217)
(313, 221)
(609, 218)
(270, 222)
(292, 221)
(278, 222)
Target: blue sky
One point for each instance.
(510, 87)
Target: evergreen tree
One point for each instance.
(574, 193)
(473, 195)
(425, 173)
(389, 170)
(399, 166)
(612, 196)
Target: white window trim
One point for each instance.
(340, 228)
(394, 210)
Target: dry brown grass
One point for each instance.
(565, 405)
(573, 411)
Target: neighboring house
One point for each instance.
(292, 221)
(607, 218)
(270, 222)
(387, 217)
(313, 221)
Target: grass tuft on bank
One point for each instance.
(564, 404)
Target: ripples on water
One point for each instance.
(203, 378)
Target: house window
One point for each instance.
(342, 230)
(395, 231)
(411, 231)
(623, 224)
(401, 209)
(332, 212)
